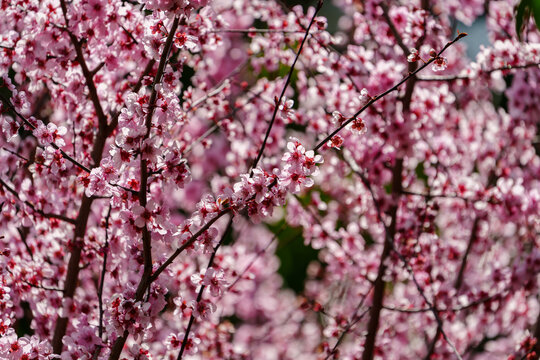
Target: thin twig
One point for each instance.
(252, 31)
(103, 272)
(379, 284)
(472, 238)
(349, 160)
(88, 75)
(433, 310)
(31, 126)
(201, 291)
(470, 77)
(355, 319)
(453, 309)
(287, 81)
(145, 281)
(255, 258)
(383, 94)
(186, 245)
(101, 282)
(393, 29)
(33, 207)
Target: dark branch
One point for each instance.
(201, 291)
(278, 101)
(383, 94)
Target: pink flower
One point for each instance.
(182, 308)
(212, 278)
(364, 97)
(259, 183)
(183, 40)
(50, 134)
(192, 343)
(294, 181)
(215, 280)
(207, 209)
(337, 118)
(144, 215)
(286, 108)
(413, 56)
(358, 126)
(9, 127)
(439, 64)
(149, 150)
(336, 142)
(43, 135)
(310, 163)
(208, 240)
(95, 9)
(203, 309)
(185, 231)
(295, 156)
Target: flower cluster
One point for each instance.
(159, 198)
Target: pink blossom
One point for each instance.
(95, 8)
(413, 56)
(439, 64)
(203, 309)
(181, 40)
(148, 215)
(147, 198)
(212, 278)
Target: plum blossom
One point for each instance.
(203, 309)
(142, 215)
(208, 240)
(97, 181)
(335, 142)
(439, 64)
(50, 134)
(447, 175)
(182, 308)
(297, 158)
(255, 185)
(364, 96)
(56, 160)
(294, 181)
(413, 56)
(183, 40)
(212, 278)
(192, 343)
(286, 109)
(358, 126)
(207, 209)
(299, 166)
(9, 127)
(95, 8)
(337, 118)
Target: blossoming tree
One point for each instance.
(156, 153)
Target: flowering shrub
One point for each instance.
(157, 156)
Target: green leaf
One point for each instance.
(524, 10)
(421, 174)
(535, 6)
(293, 255)
(522, 16)
(367, 238)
